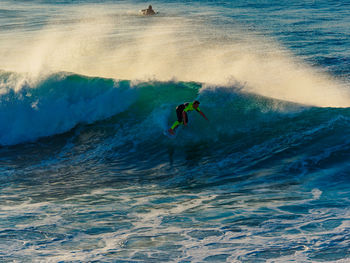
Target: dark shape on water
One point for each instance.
(148, 12)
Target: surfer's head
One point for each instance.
(150, 7)
(196, 104)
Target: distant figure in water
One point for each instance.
(148, 12)
(181, 112)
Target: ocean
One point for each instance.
(88, 88)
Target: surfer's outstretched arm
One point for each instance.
(201, 113)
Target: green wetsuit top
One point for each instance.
(189, 107)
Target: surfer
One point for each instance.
(181, 112)
(148, 12)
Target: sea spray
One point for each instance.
(123, 45)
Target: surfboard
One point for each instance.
(167, 134)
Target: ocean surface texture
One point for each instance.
(87, 89)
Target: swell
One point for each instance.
(82, 127)
(126, 117)
(32, 108)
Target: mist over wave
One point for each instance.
(123, 45)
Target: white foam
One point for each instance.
(146, 207)
(316, 193)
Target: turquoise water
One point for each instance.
(87, 89)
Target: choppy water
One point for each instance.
(87, 89)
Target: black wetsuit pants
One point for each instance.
(179, 110)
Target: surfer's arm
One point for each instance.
(201, 113)
(184, 118)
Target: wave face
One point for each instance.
(87, 90)
(31, 110)
(56, 104)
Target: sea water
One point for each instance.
(87, 89)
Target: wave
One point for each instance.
(32, 109)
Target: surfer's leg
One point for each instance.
(175, 125)
(179, 121)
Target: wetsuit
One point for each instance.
(186, 107)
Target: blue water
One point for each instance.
(87, 89)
